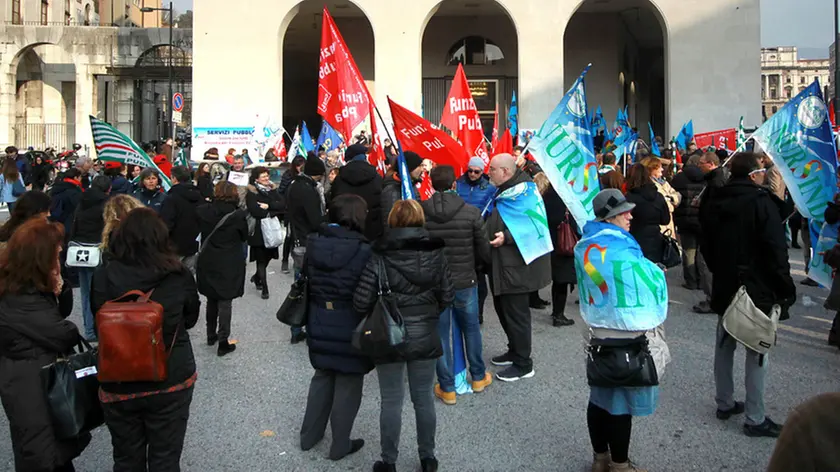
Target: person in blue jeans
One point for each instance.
(461, 227)
(9, 178)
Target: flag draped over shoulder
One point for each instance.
(328, 138)
(569, 165)
(654, 146)
(619, 288)
(523, 211)
(799, 140)
(418, 135)
(113, 145)
(461, 115)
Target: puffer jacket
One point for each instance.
(689, 183)
(461, 228)
(335, 259)
(478, 193)
(178, 212)
(360, 178)
(419, 279)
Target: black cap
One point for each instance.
(412, 160)
(314, 166)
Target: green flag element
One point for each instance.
(742, 137)
(113, 145)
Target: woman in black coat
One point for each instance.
(263, 201)
(293, 171)
(334, 261)
(419, 280)
(204, 181)
(650, 213)
(33, 333)
(563, 276)
(39, 176)
(221, 277)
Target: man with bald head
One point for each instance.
(511, 279)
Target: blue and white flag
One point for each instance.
(622, 123)
(818, 270)
(685, 136)
(798, 138)
(598, 121)
(329, 138)
(654, 146)
(625, 145)
(523, 211)
(619, 287)
(405, 177)
(563, 149)
(513, 116)
(306, 139)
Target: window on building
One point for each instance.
(787, 79)
(802, 80)
(773, 94)
(788, 93)
(16, 19)
(774, 110)
(474, 50)
(87, 15)
(45, 11)
(67, 16)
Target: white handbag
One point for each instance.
(659, 350)
(83, 255)
(272, 232)
(749, 325)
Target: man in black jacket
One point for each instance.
(178, 211)
(690, 183)
(391, 191)
(461, 227)
(304, 208)
(511, 279)
(358, 177)
(714, 177)
(749, 250)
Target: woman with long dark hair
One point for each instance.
(262, 201)
(8, 181)
(29, 205)
(294, 170)
(39, 176)
(141, 257)
(34, 303)
(204, 181)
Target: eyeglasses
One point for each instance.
(474, 171)
(758, 171)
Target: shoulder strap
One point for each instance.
(382, 275)
(218, 225)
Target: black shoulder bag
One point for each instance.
(382, 331)
(614, 363)
(295, 307)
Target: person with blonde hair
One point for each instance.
(116, 209)
(672, 197)
(414, 267)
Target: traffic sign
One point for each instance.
(177, 117)
(177, 102)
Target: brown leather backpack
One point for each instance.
(131, 345)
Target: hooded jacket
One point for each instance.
(151, 198)
(478, 193)
(750, 247)
(335, 259)
(65, 197)
(179, 213)
(121, 185)
(461, 228)
(177, 293)
(88, 224)
(304, 208)
(362, 179)
(419, 279)
(509, 273)
(650, 213)
(221, 268)
(689, 183)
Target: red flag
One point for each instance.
(424, 187)
(831, 115)
(505, 145)
(343, 97)
(494, 143)
(461, 116)
(280, 150)
(716, 139)
(376, 157)
(677, 155)
(418, 135)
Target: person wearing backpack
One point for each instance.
(221, 268)
(141, 258)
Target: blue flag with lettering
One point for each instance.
(329, 138)
(523, 211)
(513, 116)
(654, 146)
(622, 124)
(306, 139)
(619, 287)
(818, 270)
(685, 136)
(563, 149)
(798, 138)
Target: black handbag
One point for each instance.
(71, 389)
(382, 331)
(613, 363)
(672, 253)
(295, 307)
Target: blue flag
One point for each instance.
(626, 144)
(329, 138)
(685, 136)
(798, 138)
(622, 125)
(619, 287)
(654, 146)
(513, 116)
(563, 149)
(598, 121)
(818, 270)
(523, 211)
(306, 139)
(408, 190)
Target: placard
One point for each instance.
(238, 178)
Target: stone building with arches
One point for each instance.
(666, 60)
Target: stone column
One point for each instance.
(7, 104)
(85, 106)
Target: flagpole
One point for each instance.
(376, 108)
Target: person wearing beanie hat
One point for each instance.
(391, 190)
(356, 152)
(314, 166)
(358, 177)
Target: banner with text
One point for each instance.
(461, 116)
(722, 139)
(418, 135)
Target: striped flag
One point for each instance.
(112, 145)
(742, 136)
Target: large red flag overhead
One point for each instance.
(505, 145)
(417, 135)
(460, 115)
(343, 97)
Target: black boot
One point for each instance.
(561, 320)
(284, 268)
(211, 339)
(225, 348)
(299, 337)
(264, 293)
(380, 466)
(429, 465)
(256, 281)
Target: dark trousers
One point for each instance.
(148, 433)
(609, 433)
(421, 380)
(559, 295)
(691, 272)
(219, 313)
(288, 244)
(834, 334)
(515, 317)
(335, 397)
(482, 292)
(261, 274)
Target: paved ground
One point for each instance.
(248, 406)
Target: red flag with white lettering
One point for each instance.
(418, 135)
(505, 145)
(376, 157)
(343, 97)
(424, 187)
(460, 115)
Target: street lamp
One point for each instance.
(169, 124)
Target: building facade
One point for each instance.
(784, 75)
(649, 55)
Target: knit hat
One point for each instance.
(355, 151)
(112, 165)
(412, 160)
(314, 166)
(477, 162)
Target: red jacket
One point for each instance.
(163, 163)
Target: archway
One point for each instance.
(626, 44)
(480, 36)
(151, 100)
(45, 97)
(301, 56)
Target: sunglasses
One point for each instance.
(471, 171)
